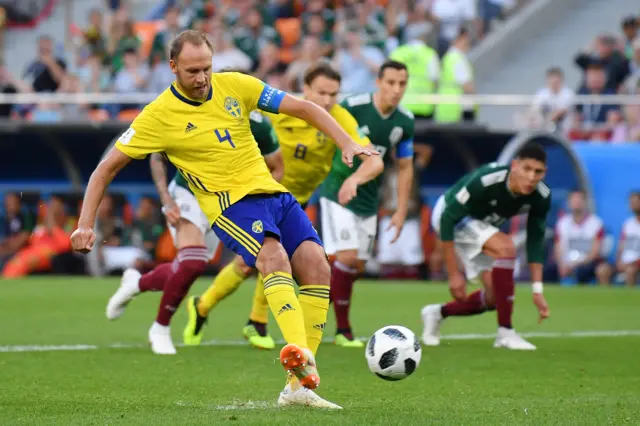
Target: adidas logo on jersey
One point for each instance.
(190, 127)
(286, 308)
(319, 326)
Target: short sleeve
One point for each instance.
(462, 73)
(143, 137)
(433, 68)
(404, 148)
(258, 95)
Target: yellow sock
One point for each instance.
(278, 288)
(314, 300)
(260, 307)
(225, 283)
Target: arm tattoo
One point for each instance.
(159, 175)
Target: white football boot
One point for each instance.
(160, 340)
(126, 292)
(432, 319)
(508, 338)
(305, 397)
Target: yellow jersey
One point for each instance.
(209, 142)
(307, 152)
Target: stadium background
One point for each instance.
(50, 144)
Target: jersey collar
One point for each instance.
(176, 92)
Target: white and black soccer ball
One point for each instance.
(393, 353)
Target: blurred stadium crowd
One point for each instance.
(610, 65)
(274, 40)
(277, 41)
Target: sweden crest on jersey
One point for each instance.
(233, 107)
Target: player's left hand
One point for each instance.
(397, 222)
(543, 307)
(348, 191)
(352, 149)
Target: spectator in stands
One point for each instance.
(46, 242)
(452, 15)
(456, 78)
(628, 253)
(317, 26)
(94, 35)
(578, 243)
(253, 36)
(594, 119)
(628, 260)
(144, 232)
(94, 78)
(132, 78)
(77, 110)
(321, 8)
(227, 55)
(310, 51)
(46, 72)
(17, 225)
(162, 39)
(423, 66)
(269, 62)
(628, 129)
(632, 84)
(10, 86)
(370, 21)
(630, 32)
(489, 11)
(604, 51)
(357, 63)
(121, 40)
(552, 103)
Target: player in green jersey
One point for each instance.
(467, 218)
(188, 224)
(350, 196)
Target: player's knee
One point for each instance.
(506, 249)
(272, 258)
(319, 272)
(348, 258)
(188, 234)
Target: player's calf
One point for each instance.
(313, 274)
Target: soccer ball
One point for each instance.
(393, 352)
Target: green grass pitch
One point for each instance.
(585, 371)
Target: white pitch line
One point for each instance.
(82, 347)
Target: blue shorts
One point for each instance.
(243, 226)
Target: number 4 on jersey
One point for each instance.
(226, 137)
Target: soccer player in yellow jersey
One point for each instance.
(249, 211)
(307, 154)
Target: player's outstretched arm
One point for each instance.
(536, 227)
(405, 184)
(322, 120)
(83, 238)
(370, 168)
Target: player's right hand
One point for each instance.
(82, 240)
(172, 212)
(458, 286)
(352, 149)
(348, 191)
(543, 307)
